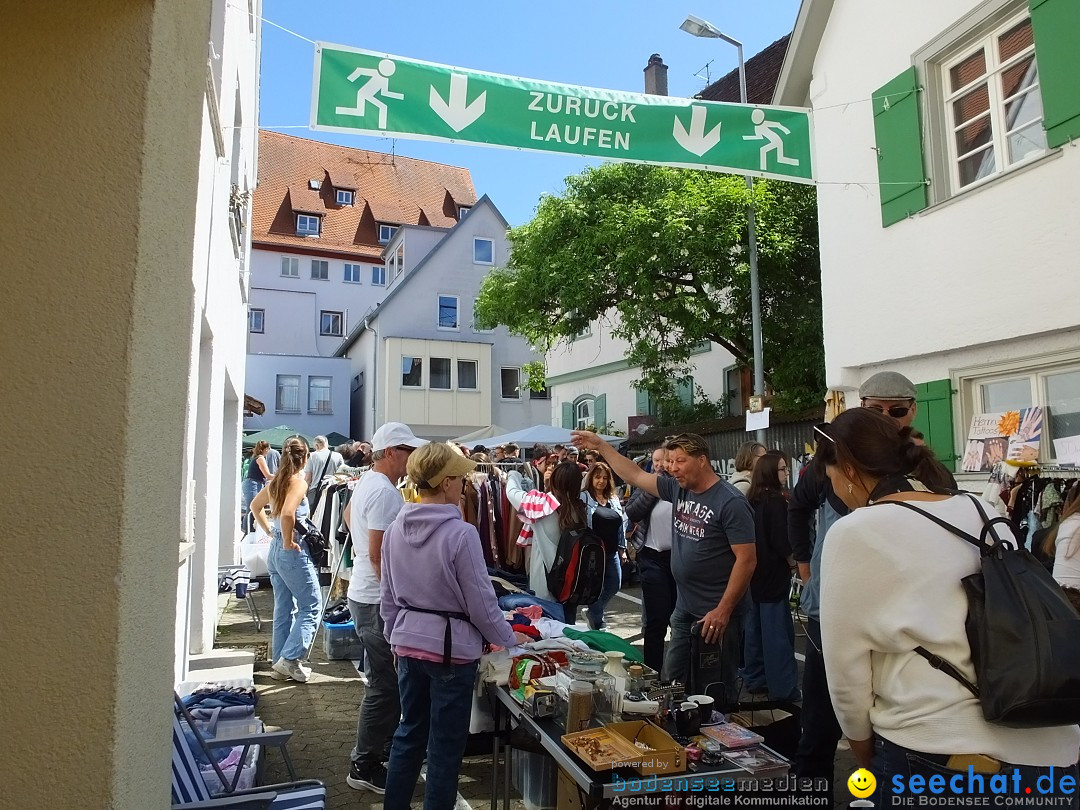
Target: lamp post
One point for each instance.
(700, 28)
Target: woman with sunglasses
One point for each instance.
(769, 642)
(890, 583)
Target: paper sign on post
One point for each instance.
(1067, 450)
(758, 421)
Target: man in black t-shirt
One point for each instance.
(713, 552)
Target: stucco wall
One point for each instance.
(100, 112)
(262, 371)
(993, 264)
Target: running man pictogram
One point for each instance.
(767, 131)
(377, 84)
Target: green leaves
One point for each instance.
(663, 253)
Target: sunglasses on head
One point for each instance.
(895, 411)
(822, 432)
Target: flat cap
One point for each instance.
(887, 385)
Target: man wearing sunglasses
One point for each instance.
(889, 393)
(374, 504)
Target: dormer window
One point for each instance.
(344, 196)
(462, 211)
(314, 185)
(386, 233)
(307, 225)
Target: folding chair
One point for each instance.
(237, 578)
(189, 790)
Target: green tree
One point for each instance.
(664, 251)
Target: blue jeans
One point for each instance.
(296, 599)
(679, 660)
(892, 760)
(594, 613)
(249, 488)
(769, 650)
(436, 702)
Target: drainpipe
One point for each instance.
(374, 377)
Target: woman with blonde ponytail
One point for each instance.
(292, 574)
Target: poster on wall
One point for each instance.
(1012, 436)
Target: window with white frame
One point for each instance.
(320, 269)
(448, 312)
(412, 371)
(307, 225)
(319, 400)
(331, 324)
(400, 263)
(511, 383)
(1051, 383)
(584, 414)
(352, 273)
(290, 267)
(386, 233)
(483, 251)
(462, 211)
(378, 275)
(543, 393)
(344, 196)
(288, 393)
(466, 375)
(256, 321)
(993, 105)
(439, 376)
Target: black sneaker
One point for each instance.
(365, 776)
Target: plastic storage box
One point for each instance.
(535, 777)
(341, 642)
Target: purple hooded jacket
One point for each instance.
(432, 559)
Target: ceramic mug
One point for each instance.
(704, 704)
(688, 719)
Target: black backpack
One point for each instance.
(577, 574)
(1024, 633)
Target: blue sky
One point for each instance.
(596, 43)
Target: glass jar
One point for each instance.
(587, 669)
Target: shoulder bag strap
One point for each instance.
(316, 483)
(937, 662)
(942, 523)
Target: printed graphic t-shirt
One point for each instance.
(704, 527)
(374, 505)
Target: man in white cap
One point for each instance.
(374, 505)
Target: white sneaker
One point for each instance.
(292, 669)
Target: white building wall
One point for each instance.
(263, 371)
(994, 264)
(292, 305)
(595, 364)
(210, 456)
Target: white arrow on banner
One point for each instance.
(696, 140)
(456, 112)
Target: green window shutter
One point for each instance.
(642, 404)
(934, 417)
(898, 132)
(600, 412)
(568, 415)
(685, 391)
(1056, 25)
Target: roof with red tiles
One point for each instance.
(762, 74)
(389, 189)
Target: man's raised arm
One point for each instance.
(623, 467)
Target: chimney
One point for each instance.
(656, 76)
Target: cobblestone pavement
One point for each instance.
(322, 712)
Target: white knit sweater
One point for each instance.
(890, 582)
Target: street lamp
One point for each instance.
(697, 27)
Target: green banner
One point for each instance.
(379, 94)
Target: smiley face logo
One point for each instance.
(861, 783)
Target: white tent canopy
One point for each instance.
(532, 436)
(477, 435)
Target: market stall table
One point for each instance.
(596, 785)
